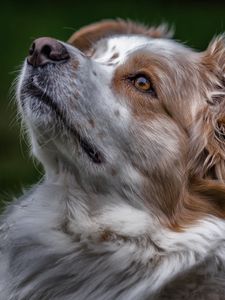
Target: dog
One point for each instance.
(129, 126)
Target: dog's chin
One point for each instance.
(48, 120)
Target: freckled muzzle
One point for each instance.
(46, 64)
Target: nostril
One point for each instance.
(46, 51)
(31, 50)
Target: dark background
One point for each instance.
(196, 22)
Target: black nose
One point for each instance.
(46, 50)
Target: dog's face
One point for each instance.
(128, 109)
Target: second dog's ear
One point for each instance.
(84, 38)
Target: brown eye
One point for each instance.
(142, 83)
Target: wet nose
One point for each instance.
(46, 50)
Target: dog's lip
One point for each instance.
(91, 150)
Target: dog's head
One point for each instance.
(125, 108)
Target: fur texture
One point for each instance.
(132, 204)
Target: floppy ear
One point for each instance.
(206, 169)
(208, 134)
(86, 36)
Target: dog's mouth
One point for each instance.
(91, 150)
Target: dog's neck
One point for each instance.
(107, 219)
(128, 218)
(104, 230)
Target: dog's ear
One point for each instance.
(208, 132)
(86, 36)
(207, 151)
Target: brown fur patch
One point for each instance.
(141, 103)
(190, 190)
(88, 35)
(114, 56)
(165, 98)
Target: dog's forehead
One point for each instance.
(116, 49)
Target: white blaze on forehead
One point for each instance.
(121, 45)
(125, 45)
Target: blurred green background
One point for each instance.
(196, 22)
